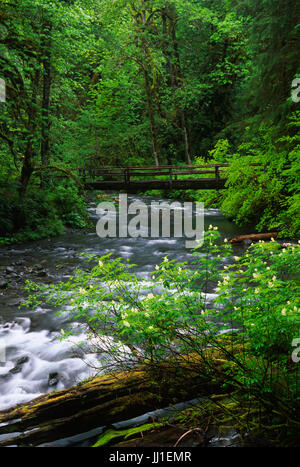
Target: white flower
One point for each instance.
(218, 289)
(215, 228)
(295, 308)
(210, 227)
(179, 269)
(272, 239)
(147, 315)
(150, 295)
(157, 267)
(82, 291)
(268, 268)
(256, 290)
(255, 275)
(225, 240)
(274, 278)
(100, 264)
(236, 258)
(225, 280)
(283, 312)
(271, 285)
(126, 324)
(166, 259)
(153, 277)
(151, 328)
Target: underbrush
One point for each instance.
(248, 337)
(44, 212)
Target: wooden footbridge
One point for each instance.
(135, 179)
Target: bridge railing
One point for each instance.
(126, 174)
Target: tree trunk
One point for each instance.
(186, 139)
(46, 47)
(27, 169)
(254, 237)
(100, 402)
(149, 95)
(176, 78)
(151, 118)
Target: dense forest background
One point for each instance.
(134, 82)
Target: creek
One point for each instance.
(33, 358)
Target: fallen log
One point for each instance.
(254, 237)
(99, 402)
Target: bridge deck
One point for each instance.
(144, 185)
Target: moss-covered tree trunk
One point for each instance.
(99, 402)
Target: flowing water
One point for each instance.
(33, 358)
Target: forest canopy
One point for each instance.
(145, 82)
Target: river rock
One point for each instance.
(19, 364)
(9, 270)
(53, 379)
(3, 284)
(41, 273)
(14, 302)
(22, 360)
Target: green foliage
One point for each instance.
(269, 194)
(256, 311)
(136, 83)
(42, 213)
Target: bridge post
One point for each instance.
(170, 178)
(126, 176)
(217, 173)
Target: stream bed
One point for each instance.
(33, 358)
